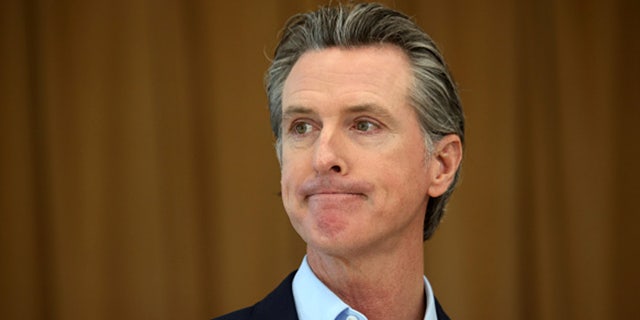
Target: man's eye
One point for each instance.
(302, 128)
(365, 126)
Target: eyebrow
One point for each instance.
(371, 108)
(296, 110)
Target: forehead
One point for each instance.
(376, 74)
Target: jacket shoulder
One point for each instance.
(237, 315)
(440, 312)
(279, 304)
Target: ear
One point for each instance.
(444, 163)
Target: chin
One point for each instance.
(335, 241)
(330, 232)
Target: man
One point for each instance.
(369, 133)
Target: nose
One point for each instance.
(329, 153)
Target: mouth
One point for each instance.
(334, 195)
(334, 189)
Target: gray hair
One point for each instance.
(433, 96)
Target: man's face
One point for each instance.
(355, 176)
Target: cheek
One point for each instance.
(290, 180)
(294, 165)
(285, 184)
(403, 178)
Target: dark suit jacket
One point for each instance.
(279, 305)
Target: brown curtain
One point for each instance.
(138, 178)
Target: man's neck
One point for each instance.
(381, 286)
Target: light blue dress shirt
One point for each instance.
(314, 301)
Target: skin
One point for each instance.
(356, 177)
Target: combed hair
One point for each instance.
(433, 96)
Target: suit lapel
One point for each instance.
(279, 304)
(439, 312)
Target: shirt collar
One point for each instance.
(314, 301)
